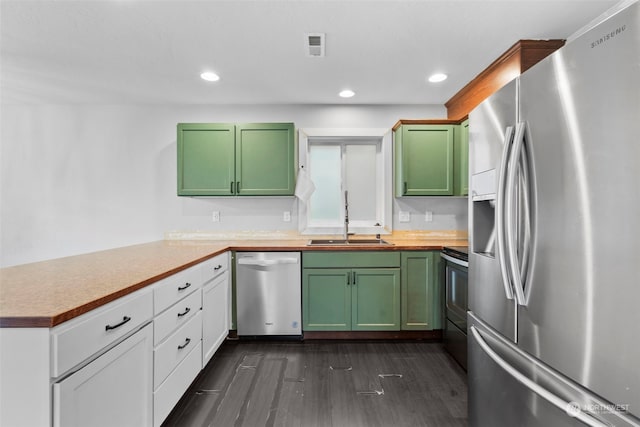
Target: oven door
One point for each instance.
(456, 285)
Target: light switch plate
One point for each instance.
(286, 216)
(428, 216)
(215, 216)
(404, 216)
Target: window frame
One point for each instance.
(335, 136)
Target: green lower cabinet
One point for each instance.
(326, 299)
(420, 291)
(375, 299)
(343, 299)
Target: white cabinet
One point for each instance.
(77, 340)
(171, 390)
(169, 290)
(177, 352)
(176, 316)
(126, 363)
(175, 348)
(113, 390)
(215, 304)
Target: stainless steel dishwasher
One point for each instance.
(268, 293)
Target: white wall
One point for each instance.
(79, 178)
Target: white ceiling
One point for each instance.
(152, 51)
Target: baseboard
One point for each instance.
(435, 335)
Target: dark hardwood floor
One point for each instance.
(326, 383)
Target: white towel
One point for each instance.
(304, 186)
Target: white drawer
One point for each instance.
(175, 348)
(166, 397)
(116, 389)
(176, 316)
(78, 339)
(214, 267)
(173, 288)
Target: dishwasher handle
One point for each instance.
(266, 262)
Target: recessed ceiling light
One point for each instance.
(210, 76)
(438, 77)
(347, 93)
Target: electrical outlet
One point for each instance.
(404, 216)
(428, 216)
(286, 217)
(215, 217)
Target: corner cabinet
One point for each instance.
(430, 158)
(421, 293)
(226, 159)
(354, 291)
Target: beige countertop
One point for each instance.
(47, 293)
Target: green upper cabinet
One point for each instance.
(461, 160)
(424, 160)
(265, 164)
(206, 156)
(254, 159)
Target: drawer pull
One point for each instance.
(186, 285)
(184, 313)
(217, 268)
(186, 343)
(125, 319)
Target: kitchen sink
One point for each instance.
(332, 242)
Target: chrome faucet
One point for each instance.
(346, 216)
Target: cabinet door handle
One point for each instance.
(186, 343)
(217, 268)
(184, 313)
(186, 285)
(404, 191)
(125, 319)
(232, 184)
(348, 278)
(238, 186)
(354, 278)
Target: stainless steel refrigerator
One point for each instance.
(554, 260)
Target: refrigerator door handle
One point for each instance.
(533, 386)
(500, 217)
(528, 212)
(515, 165)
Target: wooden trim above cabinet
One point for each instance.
(427, 122)
(516, 60)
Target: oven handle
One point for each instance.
(456, 261)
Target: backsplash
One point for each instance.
(243, 216)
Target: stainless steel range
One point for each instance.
(455, 307)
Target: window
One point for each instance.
(355, 161)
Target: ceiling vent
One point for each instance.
(314, 44)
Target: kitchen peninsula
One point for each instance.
(44, 304)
